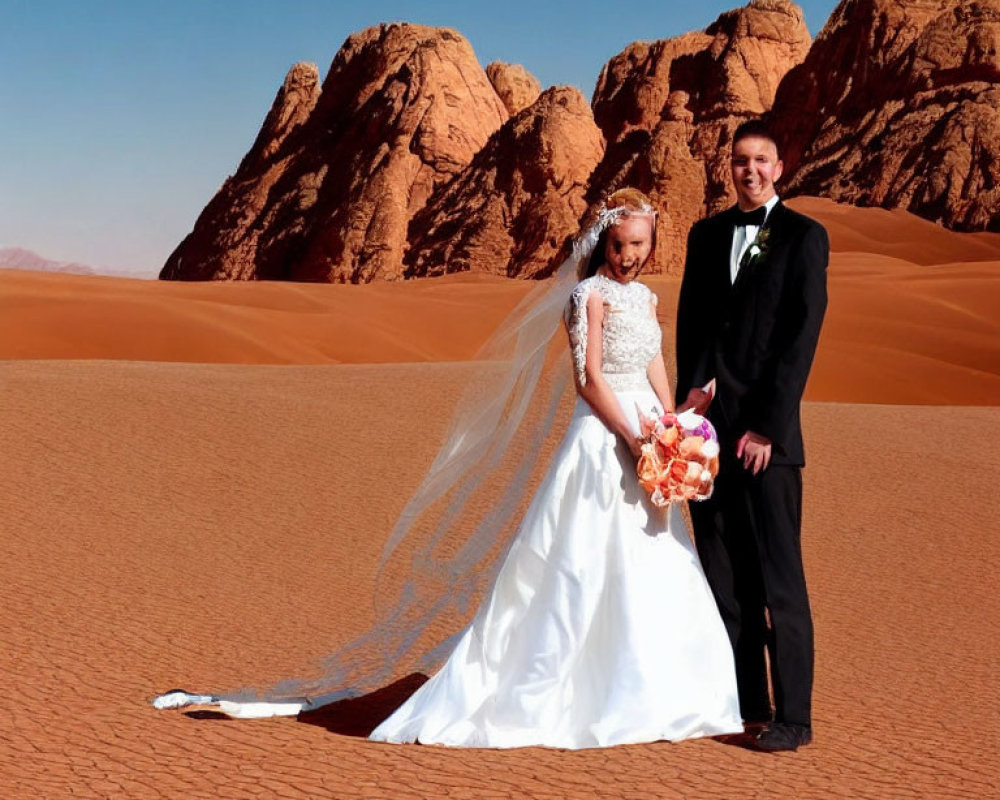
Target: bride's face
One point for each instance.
(629, 245)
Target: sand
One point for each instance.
(899, 329)
(203, 511)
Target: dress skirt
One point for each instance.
(600, 628)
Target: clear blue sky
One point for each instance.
(120, 119)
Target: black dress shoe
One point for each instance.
(783, 736)
(755, 726)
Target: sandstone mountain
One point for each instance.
(516, 87)
(898, 105)
(329, 187)
(510, 211)
(413, 160)
(668, 110)
(240, 226)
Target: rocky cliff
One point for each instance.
(516, 87)
(669, 108)
(413, 160)
(328, 189)
(898, 105)
(510, 211)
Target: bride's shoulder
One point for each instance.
(584, 287)
(577, 300)
(650, 294)
(644, 288)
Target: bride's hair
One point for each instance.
(625, 202)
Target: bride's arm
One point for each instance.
(594, 388)
(657, 374)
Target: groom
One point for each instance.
(749, 316)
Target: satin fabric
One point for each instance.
(600, 628)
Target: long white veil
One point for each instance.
(449, 540)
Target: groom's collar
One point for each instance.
(769, 205)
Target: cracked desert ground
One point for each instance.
(195, 495)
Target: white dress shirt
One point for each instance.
(743, 237)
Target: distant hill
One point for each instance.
(22, 258)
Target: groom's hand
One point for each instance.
(698, 399)
(755, 451)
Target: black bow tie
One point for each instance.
(755, 217)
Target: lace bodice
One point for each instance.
(630, 337)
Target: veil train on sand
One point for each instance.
(454, 529)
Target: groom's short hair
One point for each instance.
(755, 128)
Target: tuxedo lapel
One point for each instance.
(749, 265)
(722, 245)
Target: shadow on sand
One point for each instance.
(359, 716)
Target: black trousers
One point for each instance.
(748, 536)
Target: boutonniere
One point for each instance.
(758, 248)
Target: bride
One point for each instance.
(600, 628)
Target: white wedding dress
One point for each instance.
(600, 628)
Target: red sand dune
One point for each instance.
(911, 319)
(56, 316)
(208, 525)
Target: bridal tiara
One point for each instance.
(607, 217)
(621, 203)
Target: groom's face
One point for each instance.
(756, 167)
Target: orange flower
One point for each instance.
(686, 492)
(650, 468)
(690, 447)
(668, 437)
(676, 464)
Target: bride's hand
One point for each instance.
(646, 423)
(635, 446)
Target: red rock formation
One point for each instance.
(399, 166)
(329, 188)
(634, 86)
(898, 105)
(510, 211)
(669, 108)
(227, 236)
(517, 87)
(291, 108)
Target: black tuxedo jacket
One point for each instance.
(757, 336)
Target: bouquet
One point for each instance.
(680, 457)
